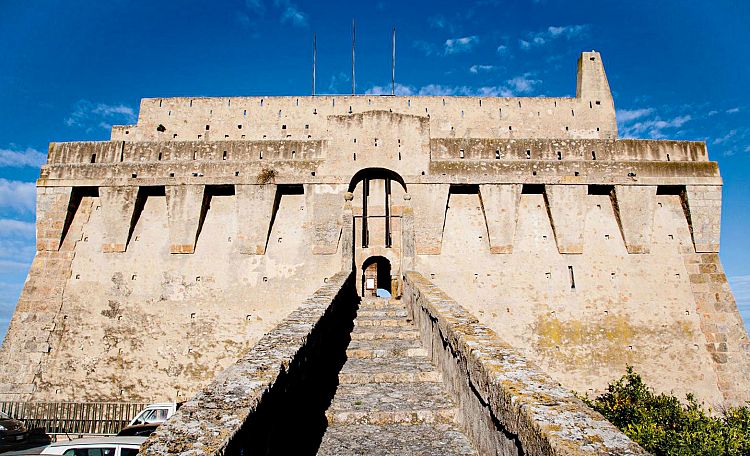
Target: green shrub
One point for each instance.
(663, 425)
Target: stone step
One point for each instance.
(385, 312)
(383, 348)
(395, 439)
(393, 370)
(384, 332)
(391, 403)
(375, 321)
(381, 304)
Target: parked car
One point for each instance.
(97, 446)
(155, 413)
(12, 431)
(143, 430)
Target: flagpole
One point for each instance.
(393, 64)
(315, 57)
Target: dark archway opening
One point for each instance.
(376, 277)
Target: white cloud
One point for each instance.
(502, 50)
(481, 68)
(87, 114)
(733, 110)
(726, 137)
(522, 84)
(17, 195)
(400, 89)
(459, 45)
(290, 13)
(568, 31)
(712, 113)
(629, 115)
(552, 33)
(639, 123)
(17, 227)
(17, 158)
(512, 87)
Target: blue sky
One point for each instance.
(71, 69)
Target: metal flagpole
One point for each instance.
(393, 64)
(315, 57)
(354, 84)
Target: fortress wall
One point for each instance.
(561, 285)
(147, 324)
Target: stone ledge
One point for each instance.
(545, 418)
(205, 424)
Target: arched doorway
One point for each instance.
(374, 191)
(376, 277)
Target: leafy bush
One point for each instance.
(663, 425)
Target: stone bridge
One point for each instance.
(345, 375)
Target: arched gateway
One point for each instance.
(377, 205)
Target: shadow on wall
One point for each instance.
(290, 418)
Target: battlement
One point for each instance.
(590, 115)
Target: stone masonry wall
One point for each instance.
(507, 405)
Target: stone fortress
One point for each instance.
(166, 253)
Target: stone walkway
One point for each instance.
(390, 399)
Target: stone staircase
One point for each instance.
(390, 399)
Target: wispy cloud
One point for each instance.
(552, 33)
(440, 22)
(400, 89)
(733, 110)
(459, 45)
(17, 195)
(502, 50)
(291, 13)
(629, 115)
(731, 134)
(17, 227)
(10, 158)
(88, 115)
(741, 288)
(640, 123)
(515, 86)
(481, 68)
(425, 47)
(523, 84)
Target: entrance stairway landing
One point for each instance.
(391, 399)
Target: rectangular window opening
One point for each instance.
(601, 189)
(670, 189)
(93, 158)
(464, 189)
(532, 189)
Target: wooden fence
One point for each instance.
(73, 417)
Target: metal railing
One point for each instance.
(73, 417)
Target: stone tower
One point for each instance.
(168, 251)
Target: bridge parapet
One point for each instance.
(508, 406)
(269, 388)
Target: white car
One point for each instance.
(97, 446)
(154, 413)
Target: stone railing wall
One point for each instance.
(507, 405)
(273, 400)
